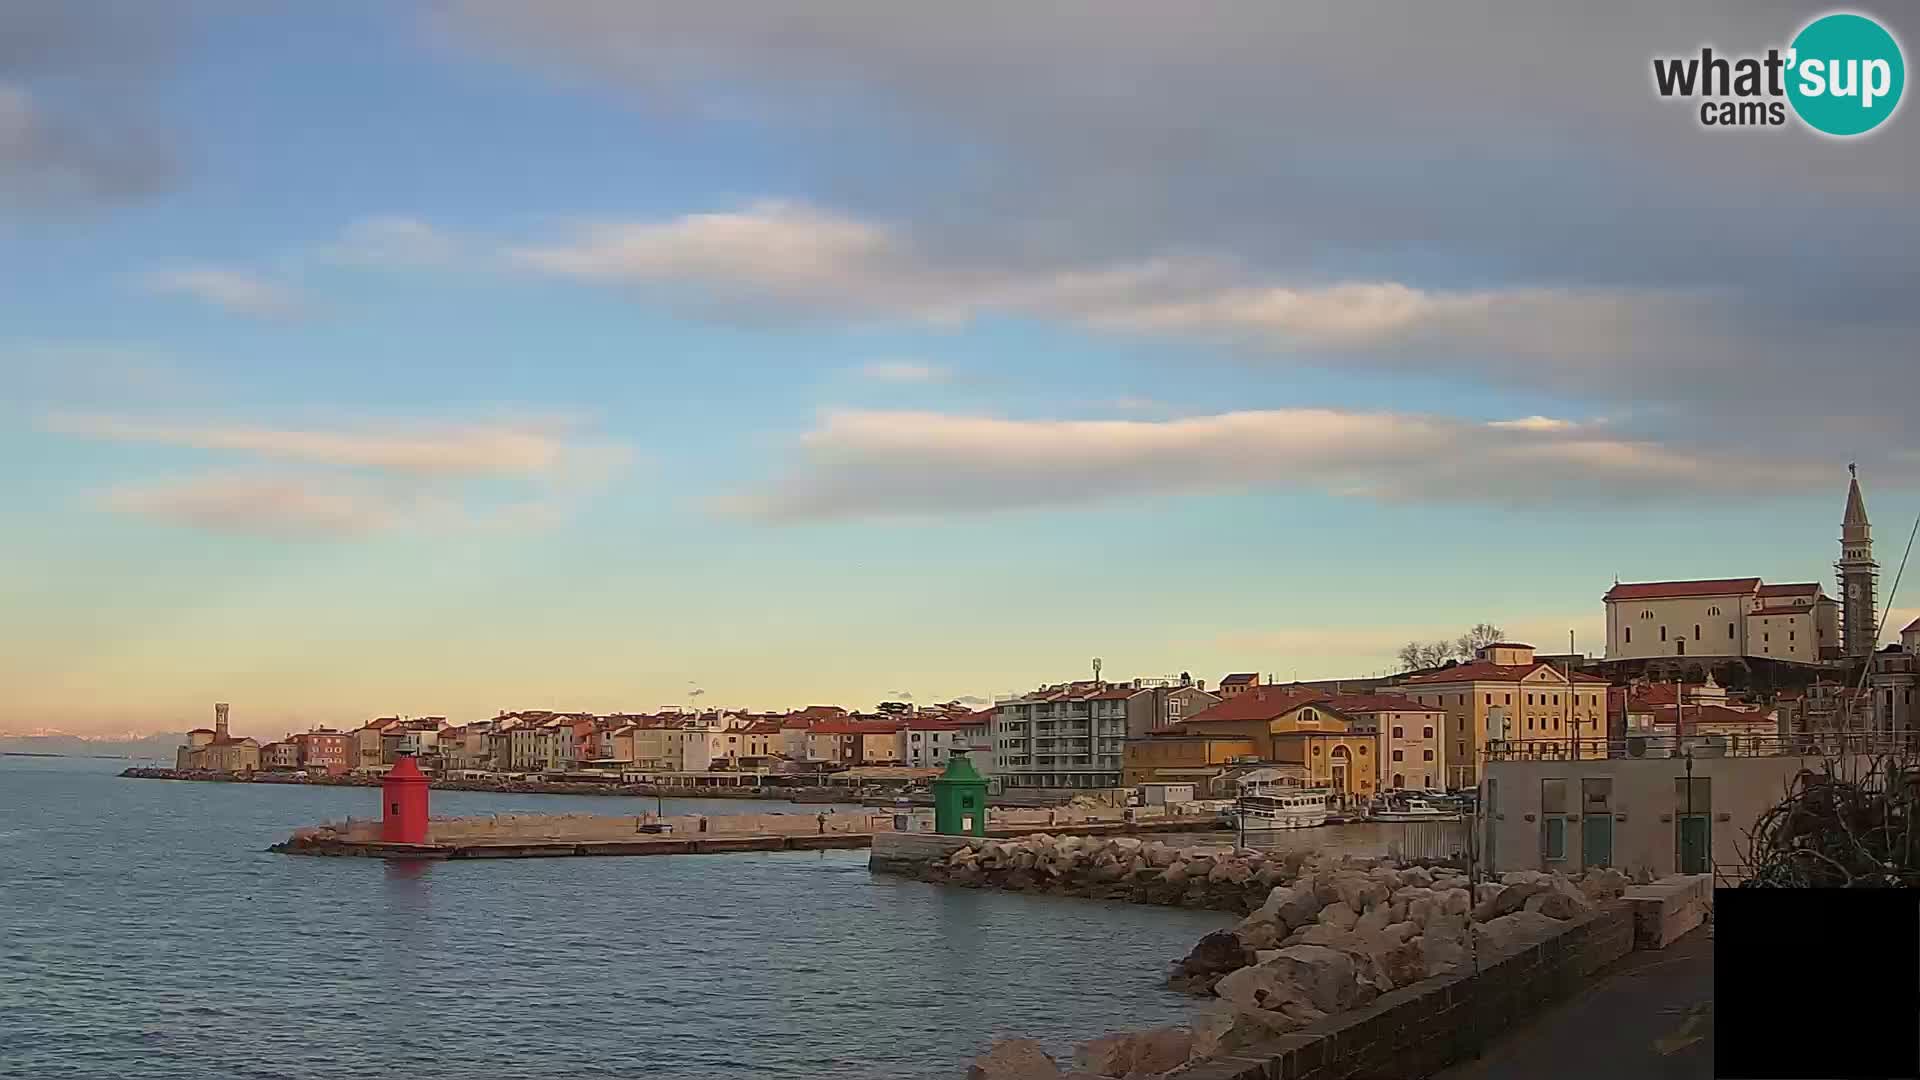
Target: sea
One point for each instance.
(146, 933)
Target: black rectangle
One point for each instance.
(1811, 984)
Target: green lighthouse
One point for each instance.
(960, 799)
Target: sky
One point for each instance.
(443, 358)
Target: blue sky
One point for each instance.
(370, 358)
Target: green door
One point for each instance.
(1596, 840)
(1695, 846)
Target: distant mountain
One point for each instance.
(146, 746)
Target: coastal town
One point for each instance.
(1736, 676)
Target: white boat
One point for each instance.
(1302, 809)
(1413, 808)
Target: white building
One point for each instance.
(929, 742)
(1666, 810)
(1067, 736)
(1721, 618)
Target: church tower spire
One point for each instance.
(1859, 628)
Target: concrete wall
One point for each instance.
(1645, 804)
(1421, 1029)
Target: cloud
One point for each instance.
(395, 241)
(858, 464)
(74, 75)
(358, 480)
(47, 159)
(269, 505)
(238, 291)
(906, 371)
(800, 258)
(503, 448)
(1123, 171)
(1534, 423)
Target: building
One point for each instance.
(1161, 703)
(1667, 811)
(929, 743)
(1067, 736)
(856, 742)
(216, 750)
(324, 750)
(1410, 750)
(1174, 756)
(1859, 574)
(1504, 694)
(282, 756)
(1894, 681)
(1721, 618)
(1295, 725)
(1239, 683)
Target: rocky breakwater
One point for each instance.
(1327, 938)
(1130, 868)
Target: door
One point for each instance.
(1693, 824)
(1694, 855)
(1487, 807)
(1596, 840)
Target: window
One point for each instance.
(1316, 751)
(1401, 733)
(1426, 733)
(1489, 699)
(1729, 631)
(1529, 699)
(1696, 631)
(1426, 755)
(1629, 635)
(1713, 611)
(1789, 635)
(1399, 755)
(1766, 637)
(1363, 749)
(1509, 700)
(1663, 633)
(1647, 614)
(1399, 780)
(1529, 723)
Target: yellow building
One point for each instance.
(1178, 756)
(1505, 694)
(1295, 725)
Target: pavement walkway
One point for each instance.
(1648, 1016)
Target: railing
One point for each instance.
(1431, 841)
(1701, 746)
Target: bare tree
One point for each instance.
(1416, 655)
(1478, 637)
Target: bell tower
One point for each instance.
(1859, 574)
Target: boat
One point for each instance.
(1403, 808)
(1302, 809)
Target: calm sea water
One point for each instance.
(146, 933)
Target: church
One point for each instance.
(1744, 617)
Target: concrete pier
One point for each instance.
(618, 838)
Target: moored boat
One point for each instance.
(1303, 809)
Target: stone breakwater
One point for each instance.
(1320, 937)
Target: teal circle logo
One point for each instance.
(1845, 74)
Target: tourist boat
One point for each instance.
(1412, 808)
(1303, 809)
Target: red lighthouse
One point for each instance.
(403, 803)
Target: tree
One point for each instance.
(1476, 638)
(1417, 655)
